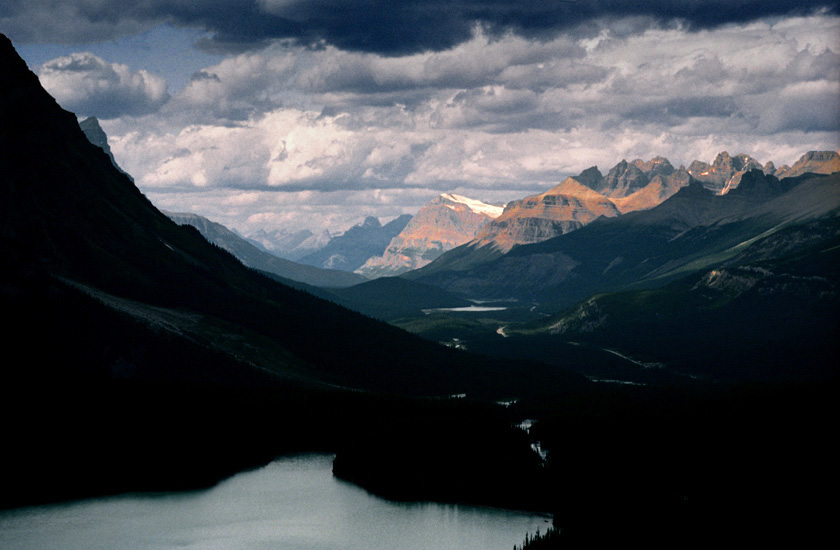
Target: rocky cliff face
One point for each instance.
(724, 174)
(659, 188)
(624, 179)
(816, 162)
(559, 210)
(446, 222)
(628, 186)
(637, 185)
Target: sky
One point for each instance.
(312, 114)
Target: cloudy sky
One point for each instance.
(315, 113)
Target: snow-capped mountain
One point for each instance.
(444, 223)
(561, 209)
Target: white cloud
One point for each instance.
(89, 85)
(277, 134)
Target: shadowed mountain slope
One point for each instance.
(692, 229)
(770, 312)
(78, 221)
(255, 258)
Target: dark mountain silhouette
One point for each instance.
(96, 135)
(770, 312)
(146, 357)
(221, 236)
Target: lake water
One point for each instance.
(465, 309)
(294, 503)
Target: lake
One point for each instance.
(294, 503)
(465, 309)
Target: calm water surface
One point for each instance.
(465, 309)
(294, 503)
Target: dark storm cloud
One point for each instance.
(382, 26)
(204, 75)
(672, 111)
(399, 27)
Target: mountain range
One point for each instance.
(678, 350)
(627, 188)
(682, 224)
(76, 229)
(350, 250)
(444, 223)
(344, 251)
(735, 285)
(687, 231)
(254, 257)
(290, 245)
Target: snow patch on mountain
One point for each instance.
(475, 205)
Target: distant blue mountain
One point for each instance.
(351, 250)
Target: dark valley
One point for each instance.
(674, 355)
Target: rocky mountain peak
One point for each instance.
(94, 132)
(816, 162)
(655, 166)
(444, 223)
(97, 136)
(371, 222)
(591, 177)
(722, 159)
(724, 174)
(624, 179)
(820, 156)
(563, 208)
(351, 250)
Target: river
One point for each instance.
(293, 503)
